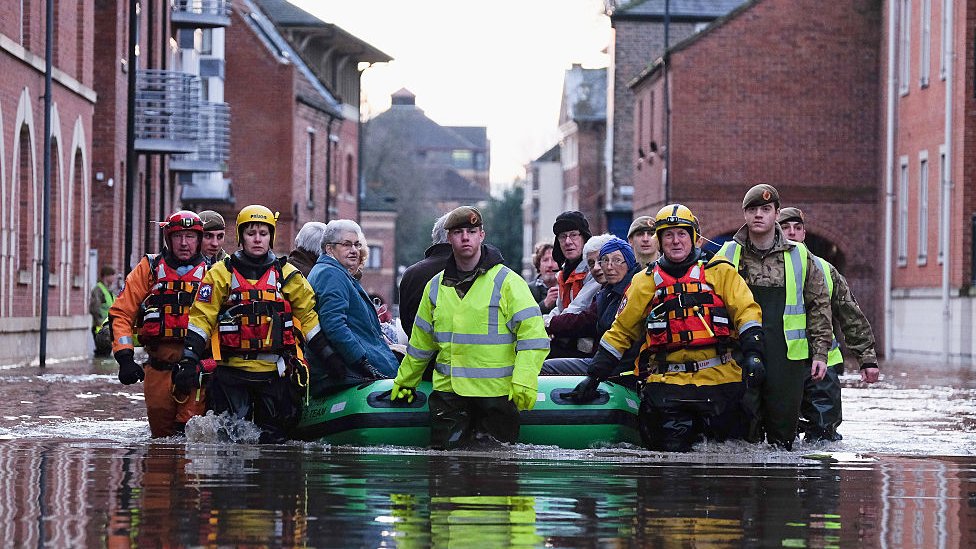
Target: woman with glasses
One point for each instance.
(346, 311)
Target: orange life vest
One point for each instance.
(255, 317)
(569, 288)
(165, 311)
(685, 312)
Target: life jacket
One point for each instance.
(165, 311)
(685, 312)
(255, 317)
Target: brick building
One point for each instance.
(760, 97)
(638, 28)
(929, 167)
(583, 133)
(543, 182)
(22, 117)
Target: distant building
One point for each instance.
(542, 202)
(583, 131)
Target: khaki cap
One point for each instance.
(759, 195)
(642, 222)
(463, 217)
(790, 214)
(212, 221)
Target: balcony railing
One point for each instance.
(200, 14)
(167, 111)
(213, 141)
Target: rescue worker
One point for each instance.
(415, 278)
(690, 316)
(101, 298)
(575, 286)
(790, 288)
(257, 308)
(821, 409)
(489, 343)
(156, 300)
(642, 240)
(214, 230)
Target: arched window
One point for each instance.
(25, 249)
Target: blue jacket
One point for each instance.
(348, 318)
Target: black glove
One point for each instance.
(129, 371)
(326, 356)
(188, 373)
(753, 341)
(753, 371)
(367, 370)
(585, 391)
(603, 364)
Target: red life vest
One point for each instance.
(166, 309)
(685, 312)
(255, 317)
(569, 288)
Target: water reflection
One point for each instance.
(70, 494)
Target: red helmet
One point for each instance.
(183, 220)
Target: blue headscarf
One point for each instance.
(623, 246)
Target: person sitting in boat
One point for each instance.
(489, 346)
(308, 246)
(575, 285)
(689, 316)
(618, 266)
(543, 287)
(259, 307)
(348, 317)
(577, 323)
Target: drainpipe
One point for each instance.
(667, 102)
(46, 214)
(947, 185)
(889, 177)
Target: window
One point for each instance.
(945, 41)
(375, 258)
(904, 45)
(924, 45)
(309, 170)
(462, 159)
(206, 42)
(943, 176)
(923, 207)
(903, 213)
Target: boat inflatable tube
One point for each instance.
(365, 416)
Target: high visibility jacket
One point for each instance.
(834, 356)
(212, 297)
(631, 325)
(107, 300)
(795, 313)
(165, 309)
(483, 342)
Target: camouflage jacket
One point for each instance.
(768, 269)
(848, 317)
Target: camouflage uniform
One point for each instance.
(848, 317)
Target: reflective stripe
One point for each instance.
(750, 324)
(423, 325)
(442, 369)
(435, 283)
(695, 366)
(834, 344)
(796, 334)
(228, 328)
(496, 299)
(695, 272)
(474, 339)
(125, 340)
(657, 279)
(532, 344)
(199, 331)
(475, 373)
(313, 332)
(798, 272)
(794, 311)
(525, 313)
(420, 353)
(732, 251)
(798, 309)
(610, 349)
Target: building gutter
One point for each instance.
(947, 183)
(889, 179)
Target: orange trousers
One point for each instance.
(164, 409)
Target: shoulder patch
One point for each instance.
(204, 293)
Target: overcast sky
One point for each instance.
(494, 63)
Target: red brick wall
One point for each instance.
(379, 228)
(785, 93)
(590, 174)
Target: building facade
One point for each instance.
(22, 184)
(541, 203)
(583, 134)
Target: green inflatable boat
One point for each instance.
(364, 416)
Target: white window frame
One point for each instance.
(925, 44)
(945, 41)
(943, 171)
(904, 46)
(903, 211)
(374, 261)
(309, 168)
(923, 208)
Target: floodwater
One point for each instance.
(78, 470)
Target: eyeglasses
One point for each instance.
(563, 237)
(616, 261)
(346, 244)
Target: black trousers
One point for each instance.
(457, 420)
(265, 398)
(674, 417)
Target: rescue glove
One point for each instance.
(753, 371)
(129, 371)
(188, 373)
(402, 393)
(367, 370)
(326, 356)
(585, 391)
(600, 369)
(525, 386)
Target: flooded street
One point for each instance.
(79, 470)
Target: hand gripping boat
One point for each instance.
(364, 416)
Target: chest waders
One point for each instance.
(782, 392)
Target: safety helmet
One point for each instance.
(256, 214)
(182, 220)
(676, 215)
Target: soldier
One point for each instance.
(821, 408)
(643, 240)
(790, 288)
(214, 230)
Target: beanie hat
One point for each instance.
(571, 220)
(623, 246)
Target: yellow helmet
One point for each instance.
(676, 215)
(256, 214)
